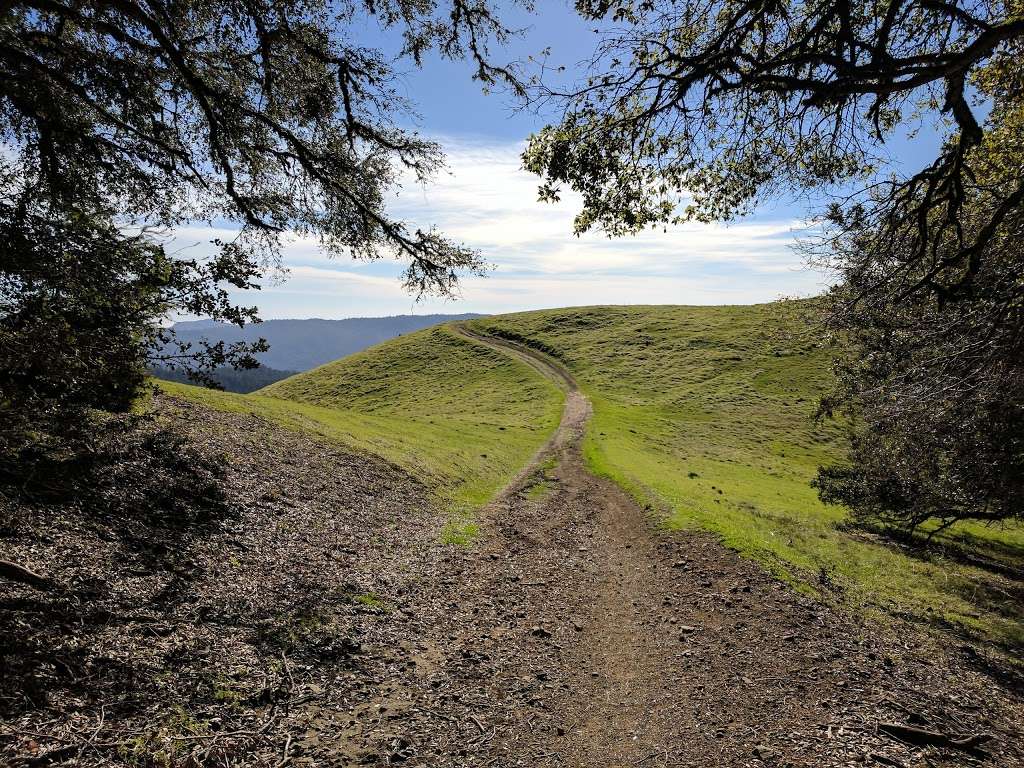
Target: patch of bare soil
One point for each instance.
(197, 643)
(320, 622)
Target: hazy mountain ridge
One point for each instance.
(298, 345)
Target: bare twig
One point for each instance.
(923, 737)
(14, 572)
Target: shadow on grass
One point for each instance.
(993, 586)
(995, 557)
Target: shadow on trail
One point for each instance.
(147, 496)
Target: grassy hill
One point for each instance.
(458, 415)
(707, 413)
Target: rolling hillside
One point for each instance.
(703, 413)
(707, 413)
(460, 416)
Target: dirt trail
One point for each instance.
(652, 648)
(616, 659)
(319, 621)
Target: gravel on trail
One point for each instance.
(322, 623)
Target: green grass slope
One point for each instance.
(457, 414)
(707, 412)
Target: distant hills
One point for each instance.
(298, 345)
(243, 382)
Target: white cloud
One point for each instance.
(484, 200)
(488, 202)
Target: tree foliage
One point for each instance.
(263, 113)
(81, 306)
(123, 119)
(697, 109)
(934, 375)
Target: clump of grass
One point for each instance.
(224, 690)
(371, 600)
(156, 748)
(538, 490)
(460, 530)
(542, 482)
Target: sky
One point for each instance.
(484, 200)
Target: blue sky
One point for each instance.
(484, 200)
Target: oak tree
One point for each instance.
(698, 109)
(121, 120)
